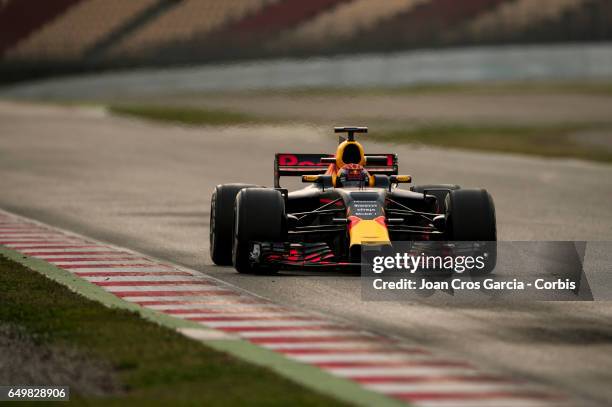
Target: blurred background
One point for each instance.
(61, 36)
(522, 76)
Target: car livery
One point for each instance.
(353, 200)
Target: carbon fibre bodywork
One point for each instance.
(327, 226)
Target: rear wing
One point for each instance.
(296, 165)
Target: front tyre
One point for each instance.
(470, 217)
(221, 226)
(259, 216)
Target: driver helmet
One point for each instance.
(352, 175)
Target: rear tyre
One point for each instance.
(440, 191)
(221, 227)
(259, 216)
(470, 216)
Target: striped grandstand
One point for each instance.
(120, 32)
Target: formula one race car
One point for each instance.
(353, 200)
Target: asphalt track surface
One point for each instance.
(147, 187)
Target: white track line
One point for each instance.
(98, 262)
(152, 268)
(265, 323)
(102, 256)
(206, 317)
(447, 387)
(154, 278)
(47, 238)
(255, 314)
(360, 357)
(68, 250)
(7, 233)
(295, 334)
(229, 309)
(167, 287)
(246, 315)
(49, 243)
(228, 300)
(119, 270)
(396, 371)
(497, 402)
(365, 344)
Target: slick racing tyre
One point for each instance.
(259, 216)
(222, 222)
(440, 191)
(470, 217)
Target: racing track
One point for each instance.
(147, 187)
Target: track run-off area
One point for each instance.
(146, 187)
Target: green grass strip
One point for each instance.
(184, 115)
(597, 88)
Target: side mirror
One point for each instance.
(310, 178)
(324, 180)
(400, 179)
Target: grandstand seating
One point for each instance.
(112, 33)
(270, 22)
(80, 27)
(516, 16)
(189, 19)
(343, 22)
(423, 24)
(20, 18)
(283, 15)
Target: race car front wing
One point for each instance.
(295, 255)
